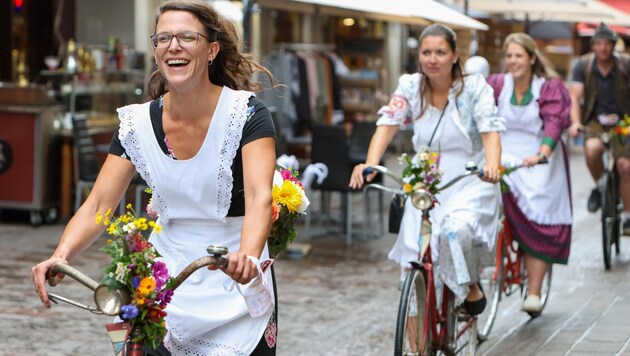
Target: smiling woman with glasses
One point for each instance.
(185, 39)
(206, 146)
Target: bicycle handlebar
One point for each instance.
(109, 301)
(77, 275)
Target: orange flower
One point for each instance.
(275, 212)
(147, 285)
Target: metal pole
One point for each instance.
(247, 11)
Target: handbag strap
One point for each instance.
(438, 124)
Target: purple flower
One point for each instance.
(135, 282)
(164, 297)
(160, 273)
(129, 311)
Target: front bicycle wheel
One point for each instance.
(610, 222)
(491, 279)
(413, 334)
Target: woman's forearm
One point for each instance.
(378, 145)
(492, 146)
(256, 226)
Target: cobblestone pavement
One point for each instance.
(340, 300)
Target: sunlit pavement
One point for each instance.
(340, 300)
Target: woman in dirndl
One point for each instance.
(536, 106)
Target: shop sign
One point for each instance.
(5, 156)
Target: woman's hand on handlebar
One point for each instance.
(39, 274)
(357, 179)
(239, 267)
(491, 174)
(575, 129)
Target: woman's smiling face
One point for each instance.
(518, 61)
(183, 66)
(436, 57)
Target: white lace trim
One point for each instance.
(227, 151)
(178, 346)
(130, 141)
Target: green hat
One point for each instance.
(604, 32)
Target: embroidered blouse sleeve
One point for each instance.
(398, 110)
(555, 105)
(484, 108)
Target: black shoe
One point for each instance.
(476, 307)
(594, 201)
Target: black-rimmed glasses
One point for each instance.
(185, 39)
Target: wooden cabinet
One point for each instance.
(361, 85)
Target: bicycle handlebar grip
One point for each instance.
(72, 272)
(367, 172)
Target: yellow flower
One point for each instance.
(432, 157)
(108, 217)
(141, 224)
(624, 131)
(99, 218)
(128, 207)
(157, 228)
(147, 285)
(407, 188)
(289, 195)
(109, 241)
(111, 229)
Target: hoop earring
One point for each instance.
(210, 62)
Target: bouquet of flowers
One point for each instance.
(289, 201)
(134, 268)
(619, 132)
(422, 171)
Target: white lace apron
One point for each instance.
(542, 191)
(470, 205)
(192, 197)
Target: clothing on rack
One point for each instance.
(309, 90)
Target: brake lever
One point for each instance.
(55, 298)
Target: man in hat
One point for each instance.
(600, 92)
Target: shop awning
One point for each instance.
(588, 29)
(421, 12)
(589, 11)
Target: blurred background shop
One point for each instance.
(69, 61)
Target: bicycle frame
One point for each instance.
(508, 251)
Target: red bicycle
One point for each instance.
(425, 324)
(506, 277)
(110, 302)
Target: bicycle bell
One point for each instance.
(217, 250)
(422, 199)
(110, 302)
